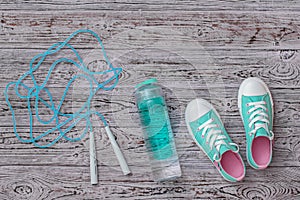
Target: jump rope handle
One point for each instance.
(118, 152)
(93, 158)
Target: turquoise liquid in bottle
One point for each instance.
(153, 115)
(157, 130)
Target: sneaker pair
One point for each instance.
(256, 109)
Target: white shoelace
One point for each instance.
(258, 113)
(214, 137)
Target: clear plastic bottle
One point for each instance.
(157, 130)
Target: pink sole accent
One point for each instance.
(216, 164)
(233, 165)
(261, 151)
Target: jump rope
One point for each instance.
(83, 113)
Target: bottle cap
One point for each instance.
(146, 82)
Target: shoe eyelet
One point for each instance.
(202, 136)
(247, 104)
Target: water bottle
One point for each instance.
(159, 138)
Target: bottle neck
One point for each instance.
(148, 92)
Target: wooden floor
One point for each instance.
(195, 50)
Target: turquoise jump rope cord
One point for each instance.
(83, 113)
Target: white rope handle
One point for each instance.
(93, 160)
(118, 152)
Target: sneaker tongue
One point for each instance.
(223, 149)
(262, 132)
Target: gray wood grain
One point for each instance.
(196, 49)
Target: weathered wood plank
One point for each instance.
(69, 182)
(22, 30)
(154, 5)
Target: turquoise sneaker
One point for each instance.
(207, 130)
(256, 109)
